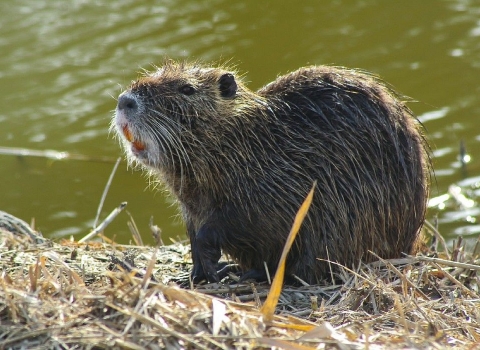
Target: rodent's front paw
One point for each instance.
(199, 274)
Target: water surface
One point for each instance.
(64, 63)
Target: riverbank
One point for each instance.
(105, 295)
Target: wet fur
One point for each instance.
(240, 164)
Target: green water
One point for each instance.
(62, 64)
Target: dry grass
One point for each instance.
(96, 295)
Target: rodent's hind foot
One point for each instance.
(259, 275)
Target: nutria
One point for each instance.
(240, 163)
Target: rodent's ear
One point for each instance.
(227, 85)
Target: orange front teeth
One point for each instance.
(127, 133)
(140, 146)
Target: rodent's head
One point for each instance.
(167, 111)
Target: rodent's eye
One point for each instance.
(187, 89)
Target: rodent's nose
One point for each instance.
(127, 103)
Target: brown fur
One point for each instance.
(240, 164)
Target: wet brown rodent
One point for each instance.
(240, 164)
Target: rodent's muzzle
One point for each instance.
(127, 105)
(127, 111)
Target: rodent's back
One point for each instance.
(241, 169)
(351, 133)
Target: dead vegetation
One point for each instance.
(93, 295)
